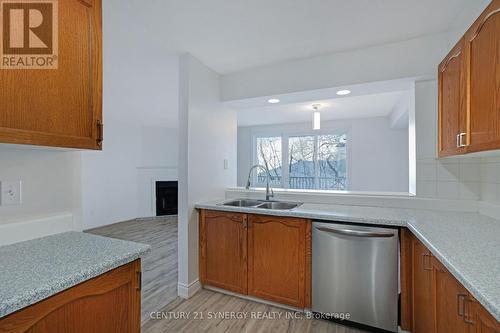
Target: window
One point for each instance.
(268, 154)
(313, 162)
(301, 165)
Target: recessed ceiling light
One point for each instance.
(343, 92)
(274, 100)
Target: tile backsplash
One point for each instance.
(459, 178)
(490, 179)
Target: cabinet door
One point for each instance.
(109, 303)
(59, 107)
(452, 103)
(449, 299)
(223, 250)
(277, 259)
(422, 310)
(483, 49)
(481, 320)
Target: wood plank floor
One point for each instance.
(159, 267)
(209, 303)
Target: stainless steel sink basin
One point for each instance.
(278, 205)
(243, 203)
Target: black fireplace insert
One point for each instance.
(166, 198)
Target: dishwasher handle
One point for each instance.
(357, 233)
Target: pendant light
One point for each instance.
(316, 117)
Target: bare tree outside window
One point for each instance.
(301, 162)
(332, 155)
(268, 154)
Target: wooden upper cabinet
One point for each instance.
(277, 259)
(59, 107)
(421, 288)
(223, 250)
(469, 89)
(452, 103)
(483, 48)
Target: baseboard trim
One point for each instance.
(155, 217)
(35, 228)
(187, 291)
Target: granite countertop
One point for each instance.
(467, 244)
(37, 269)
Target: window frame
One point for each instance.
(285, 136)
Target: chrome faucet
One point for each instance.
(269, 190)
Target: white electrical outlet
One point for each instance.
(10, 193)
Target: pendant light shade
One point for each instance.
(316, 117)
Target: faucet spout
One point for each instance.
(269, 190)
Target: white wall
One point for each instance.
(371, 142)
(157, 164)
(140, 107)
(208, 135)
(469, 13)
(413, 58)
(50, 182)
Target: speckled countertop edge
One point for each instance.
(29, 295)
(488, 296)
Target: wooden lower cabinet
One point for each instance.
(277, 259)
(481, 320)
(448, 299)
(421, 283)
(109, 303)
(223, 250)
(267, 257)
(440, 303)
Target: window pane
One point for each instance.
(301, 168)
(332, 154)
(269, 155)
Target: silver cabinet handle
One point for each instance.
(356, 233)
(466, 317)
(424, 257)
(461, 304)
(460, 140)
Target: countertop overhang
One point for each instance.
(467, 244)
(34, 270)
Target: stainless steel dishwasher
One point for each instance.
(355, 274)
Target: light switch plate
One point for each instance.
(10, 193)
(226, 164)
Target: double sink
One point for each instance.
(263, 204)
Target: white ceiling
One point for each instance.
(233, 35)
(365, 106)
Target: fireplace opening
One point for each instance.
(166, 198)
